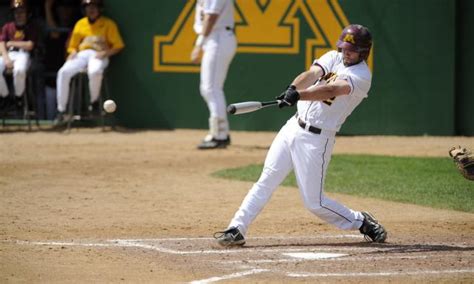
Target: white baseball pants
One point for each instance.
(309, 155)
(219, 50)
(84, 60)
(21, 62)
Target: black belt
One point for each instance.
(312, 129)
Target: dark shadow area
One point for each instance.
(387, 247)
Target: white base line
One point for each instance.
(375, 274)
(350, 236)
(230, 276)
(128, 243)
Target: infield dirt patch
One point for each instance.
(142, 207)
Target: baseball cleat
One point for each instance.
(372, 230)
(214, 143)
(230, 237)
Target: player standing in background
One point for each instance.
(305, 142)
(94, 39)
(17, 41)
(214, 24)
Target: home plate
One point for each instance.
(314, 255)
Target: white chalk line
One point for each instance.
(349, 274)
(351, 236)
(230, 276)
(126, 243)
(135, 243)
(138, 243)
(375, 274)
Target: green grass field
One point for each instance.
(433, 182)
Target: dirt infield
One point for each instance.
(141, 207)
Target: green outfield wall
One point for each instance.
(422, 62)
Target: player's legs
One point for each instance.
(311, 154)
(68, 70)
(218, 54)
(21, 62)
(276, 168)
(3, 83)
(95, 71)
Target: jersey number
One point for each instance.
(329, 101)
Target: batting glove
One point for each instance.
(289, 97)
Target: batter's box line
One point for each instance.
(137, 243)
(253, 238)
(129, 244)
(254, 271)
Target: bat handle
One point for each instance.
(269, 103)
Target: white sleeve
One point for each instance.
(326, 61)
(359, 86)
(214, 6)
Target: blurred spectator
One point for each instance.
(93, 40)
(17, 41)
(60, 18)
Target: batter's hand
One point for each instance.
(196, 55)
(291, 96)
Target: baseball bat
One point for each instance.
(245, 107)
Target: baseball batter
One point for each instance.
(216, 42)
(305, 143)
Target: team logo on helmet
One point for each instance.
(349, 38)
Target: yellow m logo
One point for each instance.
(262, 27)
(349, 38)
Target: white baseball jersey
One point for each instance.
(332, 113)
(308, 154)
(219, 50)
(224, 8)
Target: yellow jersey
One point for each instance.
(101, 35)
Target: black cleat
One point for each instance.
(214, 143)
(230, 237)
(372, 230)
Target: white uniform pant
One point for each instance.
(21, 62)
(309, 155)
(95, 70)
(219, 50)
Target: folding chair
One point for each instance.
(28, 111)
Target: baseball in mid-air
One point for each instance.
(109, 106)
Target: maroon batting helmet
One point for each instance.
(356, 38)
(16, 4)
